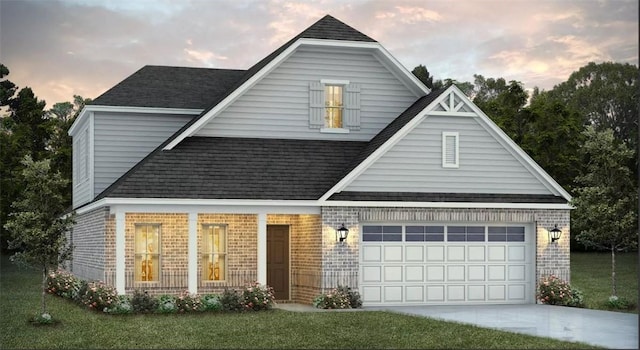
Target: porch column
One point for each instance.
(262, 248)
(120, 253)
(193, 253)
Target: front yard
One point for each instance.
(82, 328)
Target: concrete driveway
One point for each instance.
(608, 329)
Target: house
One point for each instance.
(201, 179)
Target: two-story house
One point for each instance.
(201, 179)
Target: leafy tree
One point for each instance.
(422, 73)
(37, 227)
(606, 212)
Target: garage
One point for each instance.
(447, 263)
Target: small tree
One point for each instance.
(37, 227)
(605, 201)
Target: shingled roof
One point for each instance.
(171, 87)
(239, 168)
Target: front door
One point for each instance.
(278, 260)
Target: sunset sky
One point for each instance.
(84, 47)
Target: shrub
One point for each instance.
(354, 296)
(555, 291)
(342, 297)
(167, 304)
(211, 302)
(189, 302)
(63, 283)
(619, 303)
(122, 305)
(231, 300)
(142, 302)
(257, 297)
(98, 296)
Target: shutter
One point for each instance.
(450, 150)
(316, 105)
(352, 107)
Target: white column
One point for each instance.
(120, 253)
(262, 248)
(193, 253)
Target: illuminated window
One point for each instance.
(214, 252)
(333, 106)
(147, 252)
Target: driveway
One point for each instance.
(608, 329)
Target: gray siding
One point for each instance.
(414, 164)
(278, 105)
(81, 165)
(88, 238)
(122, 140)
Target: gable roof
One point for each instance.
(238, 168)
(170, 87)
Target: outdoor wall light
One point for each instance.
(342, 233)
(554, 234)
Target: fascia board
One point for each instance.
(460, 205)
(125, 109)
(514, 147)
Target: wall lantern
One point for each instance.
(342, 233)
(554, 234)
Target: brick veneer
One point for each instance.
(88, 239)
(340, 262)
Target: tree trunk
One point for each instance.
(614, 290)
(44, 290)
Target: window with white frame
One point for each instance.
(333, 106)
(147, 252)
(214, 252)
(450, 150)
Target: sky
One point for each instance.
(84, 47)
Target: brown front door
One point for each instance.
(278, 260)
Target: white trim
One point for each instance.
(334, 130)
(193, 253)
(123, 109)
(334, 82)
(91, 157)
(469, 205)
(418, 87)
(455, 114)
(120, 253)
(456, 136)
(262, 248)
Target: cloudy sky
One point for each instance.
(84, 47)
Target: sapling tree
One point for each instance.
(606, 213)
(38, 226)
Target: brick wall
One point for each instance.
(88, 239)
(340, 261)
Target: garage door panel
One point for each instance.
(476, 273)
(455, 273)
(435, 253)
(496, 292)
(435, 273)
(393, 274)
(371, 294)
(497, 272)
(392, 294)
(476, 293)
(415, 273)
(496, 253)
(476, 253)
(517, 272)
(414, 253)
(414, 294)
(393, 253)
(516, 291)
(455, 253)
(516, 253)
(371, 253)
(372, 274)
(435, 293)
(455, 293)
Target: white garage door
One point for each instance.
(404, 264)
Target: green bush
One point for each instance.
(555, 291)
(211, 302)
(354, 296)
(98, 296)
(342, 297)
(231, 300)
(187, 302)
(121, 306)
(64, 284)
(142, 302)
(257, 297)
(167, 304)
(619, 303)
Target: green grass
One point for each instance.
(81, 328)
(591, 273)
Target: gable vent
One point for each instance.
(450, 150)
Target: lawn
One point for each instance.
(591, 273)
(81, 328)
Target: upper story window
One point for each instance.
(334, 105)
(147, 252)
(450, 150)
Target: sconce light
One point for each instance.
(342, 233)
(554, 234)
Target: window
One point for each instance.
(450, 150)
(382, 233)
(506, 234)
(424, 234)
(333, 106)
(214, 252)
(147, 252)
(465, 234)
